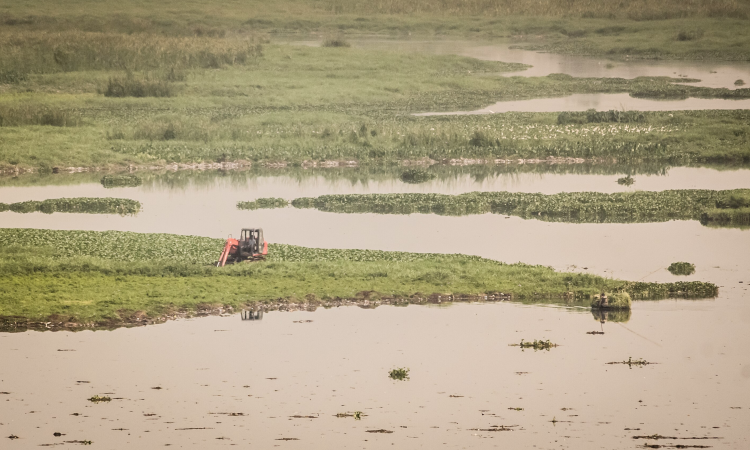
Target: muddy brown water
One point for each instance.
(226, 381)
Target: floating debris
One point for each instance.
(631, 362)
(515, 409)
(673, 446)
(536, 345)
(97, 399)
(455, 396)
(195, 428)
(656, 437)
(287, 439)
(156, 387)
(79, 442)
(13, 436)
(233, 414)
(297, 416)
(401, 374)
(594, 332)
(358, 415)
(57, 434)
(380, 431)
(302, 321)
(496, 428)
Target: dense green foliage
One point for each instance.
(113, 181)
(108, 276)
(265, 203)
(681, 268)
(623, 207)
(86, 205)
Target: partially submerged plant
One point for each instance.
(633, 362)
(626, 181)
(681, 268)
(400, 374)
(536, 344)
(97, 399)
(264, 203)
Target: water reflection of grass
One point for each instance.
(117, 277)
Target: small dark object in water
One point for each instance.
(57, 434)
(739, 83)
(594, 332)
(297, 416)
(97, 399)
(379, 431)
(301, 321)
(156, 387)
(455, 396)
(13, 436)
(287, 439)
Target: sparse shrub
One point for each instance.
(336, 42)
(38, 115)
(12, 76)
(681, 268)
(415, 176)
(689, 35)
(594, 116)
(739, 82)
(130, 86)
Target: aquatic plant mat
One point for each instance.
(94, 205)
(577, 207)
(59, 279)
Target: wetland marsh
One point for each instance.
(394, 326)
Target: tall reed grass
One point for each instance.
(39, 52)
(631, 9)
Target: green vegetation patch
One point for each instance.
(86, 205)
(581, 207)
(681, 268)
(264, 203)
(118, 277)
(113, 181)
(400, 374)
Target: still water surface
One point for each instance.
(464, 376)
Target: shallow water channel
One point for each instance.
(280, 381)
(714, 74)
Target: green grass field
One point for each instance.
(108, 277)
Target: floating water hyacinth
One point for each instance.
(112, 181)
(86, 205)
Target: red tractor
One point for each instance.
(249, 247)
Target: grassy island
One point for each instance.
(118, 278)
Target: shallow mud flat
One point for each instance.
(281, 380)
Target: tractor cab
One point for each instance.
(251, 241)
(249, 247)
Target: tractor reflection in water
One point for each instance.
(248, 314)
